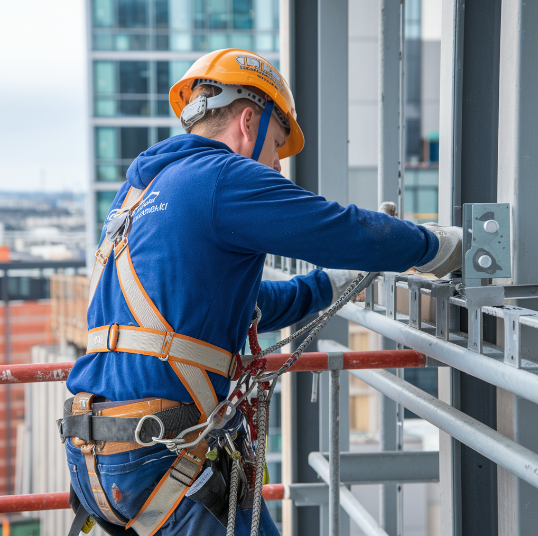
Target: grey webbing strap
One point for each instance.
(199, 385)
(103, 253)
(138, 341)
(98, 493)
(167, 495)
(137, 300)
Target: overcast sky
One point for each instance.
(43, 95)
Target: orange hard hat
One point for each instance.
(237, 67)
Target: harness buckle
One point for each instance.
(112, 337)
(167, 344)
(120, 246)
(101, 258)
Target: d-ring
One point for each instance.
(139, 428)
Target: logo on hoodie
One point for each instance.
(149, 206)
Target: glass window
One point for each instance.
(134, 107)
(103, 202)
(163, 76)
(134, 76)
(105, 107)
(180, 14)
(238, 40)
(134, 140)
(105, 143)
(103, 13)
(108, 173)
(104, 77)
(242, 11)
(163, 133)
(218, 40)
(177, 71)
(132, 13)
(163, 108)
(161, 14)
(218, 14)
(181, 42)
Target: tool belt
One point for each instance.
(133, 423)
(109, 428)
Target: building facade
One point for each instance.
(137, 50)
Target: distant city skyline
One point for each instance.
(43, 96)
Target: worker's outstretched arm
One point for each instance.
(284, 303)
(262, 212)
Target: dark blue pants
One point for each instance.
(134, 475)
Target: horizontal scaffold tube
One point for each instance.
(35, 372)
(381, 359)
(517, 381)
(58, 372)
(519, 460)
(60, 501)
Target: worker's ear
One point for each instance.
(248, 125)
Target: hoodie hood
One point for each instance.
(147, 165)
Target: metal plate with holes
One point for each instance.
(486, 242)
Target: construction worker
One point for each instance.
(177, 278)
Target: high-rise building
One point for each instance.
(137, 50)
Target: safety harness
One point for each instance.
(221, 425)
(190, 359)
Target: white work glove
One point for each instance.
(449, 255)
(340, 280)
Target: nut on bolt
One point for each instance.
(485, 260)
(491, 226)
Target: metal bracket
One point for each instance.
(442, 290)
(391, 278)
(335, 361)
(512, 334)
(486, 242)
(369, 298)
(415, 283)
(477, 297)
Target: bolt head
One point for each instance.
(491, 226)
(484, 261)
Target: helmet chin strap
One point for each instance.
(262, 129)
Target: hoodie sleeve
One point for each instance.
(284, 303)
(257, 210)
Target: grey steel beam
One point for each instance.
(406, 467)
(304, 80)
(333, 183)
(517, 459)
(518, 161)
(307, 494)
(391, 157)
(348, 501)
(518, 381)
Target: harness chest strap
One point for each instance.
(133, 197)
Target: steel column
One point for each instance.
(517, 184)
(333, 180)
(334, 454)
(391, 159)
(304, 80)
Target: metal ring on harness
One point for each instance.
(139, 428)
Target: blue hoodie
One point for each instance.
(198, 243)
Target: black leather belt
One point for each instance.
(162, 424)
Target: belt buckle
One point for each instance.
(139, 429)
